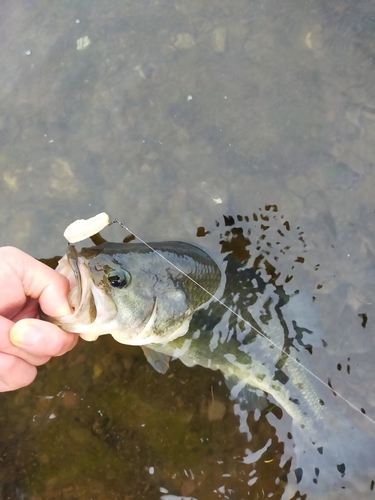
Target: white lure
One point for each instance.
(84, 228)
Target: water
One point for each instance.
(173, 116)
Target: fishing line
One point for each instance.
(116, 221)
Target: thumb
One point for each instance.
(41, 338)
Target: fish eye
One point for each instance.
(119, 279)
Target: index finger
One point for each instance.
(27, 277)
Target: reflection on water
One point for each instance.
(172, 116)
(100, 421)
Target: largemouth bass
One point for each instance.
(258, 336)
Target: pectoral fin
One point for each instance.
(157, 360)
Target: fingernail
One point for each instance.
(61, 310)
(24, 333)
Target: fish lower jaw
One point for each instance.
(87, 331)
(91, 332)
(148, 335)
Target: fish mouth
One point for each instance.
(91, 308)
(82, 296)
(94, 312)
(75, 295)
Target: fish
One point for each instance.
(263, 338)
(129, 291)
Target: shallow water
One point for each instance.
(173, 116)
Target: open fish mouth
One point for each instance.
(75, 296)
(91, 308)
(94, 312)
(82, 293)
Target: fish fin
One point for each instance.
(250, 398)
(98, 239)
(157, 360)
(128, 238)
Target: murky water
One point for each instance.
(169, 116)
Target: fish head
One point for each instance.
(129, 292)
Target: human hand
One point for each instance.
(25, 340)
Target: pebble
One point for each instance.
(187, 487)
(219, 38)
(70, 399)
(216, 410)
(314, 40)
(83, 42)
(184, 41)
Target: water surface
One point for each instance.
(172, 116)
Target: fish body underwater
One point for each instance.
(258, 335)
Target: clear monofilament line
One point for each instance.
(116, 221)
